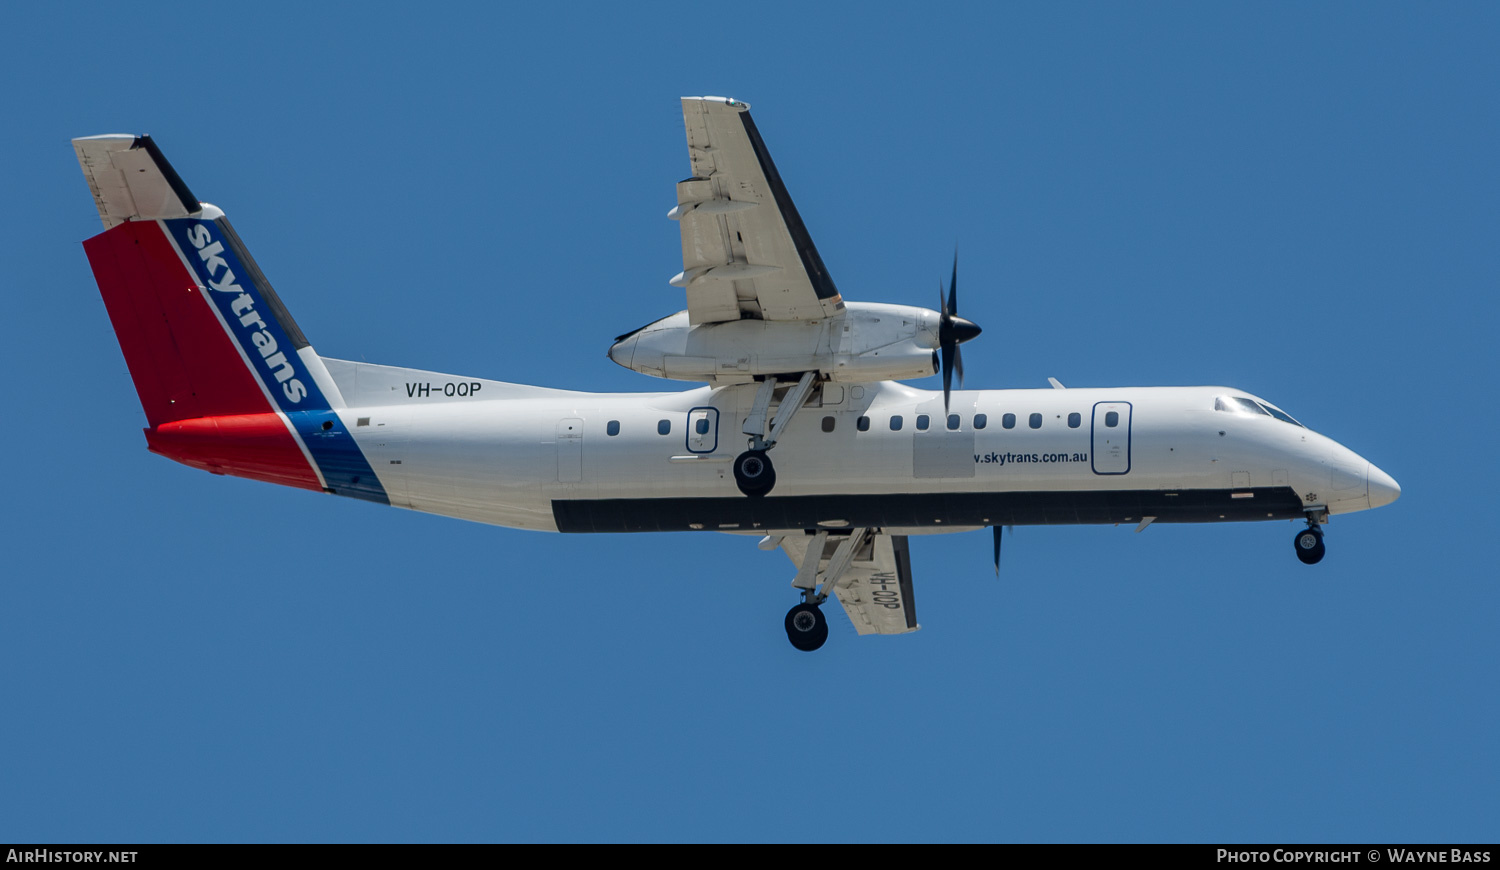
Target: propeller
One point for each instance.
(996, 531)
(952, 332)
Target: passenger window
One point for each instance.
(1075, 420)
(952, 422)
(664, 427)
(981, 421)
(922, 422)
(1112, 419)
(862, 424)
(896, 423)
(702, 426)
(613, 427)
(1036, 421)
(828, 424)
(1008, 421)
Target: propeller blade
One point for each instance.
(996, 530)
(949, 351)
(952, 331)
(953, 286)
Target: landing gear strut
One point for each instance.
(1309, 542)
(806, 627)
(753, 471)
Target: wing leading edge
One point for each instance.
(745, 251)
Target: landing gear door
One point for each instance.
(1111, 438)
(703, 430)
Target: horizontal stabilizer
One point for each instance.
(131, 180)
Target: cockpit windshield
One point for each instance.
(1238, 405)
(1280, 414)
(1252, 408)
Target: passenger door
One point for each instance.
(703, 430)
(1111, 438)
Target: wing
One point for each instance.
(745, 251)
(876, 588)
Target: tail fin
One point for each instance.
(227, 380)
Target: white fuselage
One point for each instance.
(553, 460)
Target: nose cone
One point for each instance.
(1383, 488)
(622, 352)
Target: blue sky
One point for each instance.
(1299, 200)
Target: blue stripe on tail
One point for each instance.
(259, 324)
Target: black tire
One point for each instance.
(806, 627)
(754, 473)
(1309, 544)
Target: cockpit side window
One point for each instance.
(1280, 414)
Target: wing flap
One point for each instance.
(704, 245)
(745, 250)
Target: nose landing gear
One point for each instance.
(1310, 546)
(1309, 541)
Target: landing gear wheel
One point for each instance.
(754, 474)
(806, 627)
(1309, 545)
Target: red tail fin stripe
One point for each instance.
(247, 365)
(186, 366)
(257, 446)
(182, 362)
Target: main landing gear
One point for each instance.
(806, 626)
(1309, 541)
(753, 472)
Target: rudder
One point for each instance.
(227, 380)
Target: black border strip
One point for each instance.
(817, 273)
(258, 278)
(189, 202)
(924, 510)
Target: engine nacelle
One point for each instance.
(867, 342)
